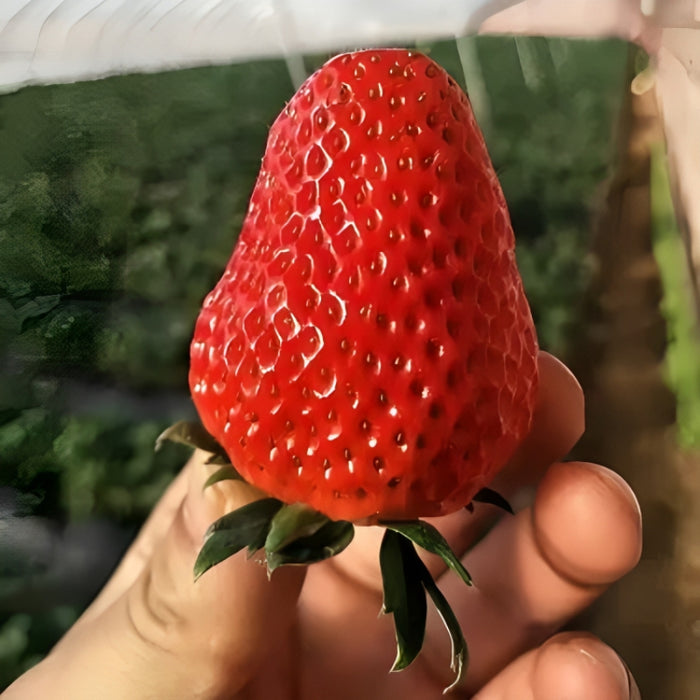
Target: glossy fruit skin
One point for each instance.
(369, 349)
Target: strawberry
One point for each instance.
(369, 354)
(369, 350)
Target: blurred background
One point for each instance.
(120, 201)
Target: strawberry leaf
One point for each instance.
(225, 473)
(459, 645)
(291, 523)
(329, 540)
(404, 596)
(244, 527)
(493, 498)
(429, 538)
(191, 434)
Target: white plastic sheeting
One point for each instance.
(55, 40)
(45, 41)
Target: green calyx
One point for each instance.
(295, 534)
(288, 534)
(298, 535)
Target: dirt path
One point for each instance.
(653, 616)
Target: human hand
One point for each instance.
(313, 632)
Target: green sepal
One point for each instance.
(293, 522)
(246, 526)
(406, 581)
(459, 645)
(193, 435)
(493, 498)
(429, 538)
(329, 540)
(404, 596)
(219, 458)
(225, 473)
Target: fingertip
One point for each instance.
(560, 410)
(557, 424)
(578, 666)
(587, 523)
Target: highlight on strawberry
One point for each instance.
(368, 356)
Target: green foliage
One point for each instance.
(678, 307)
(120, 201)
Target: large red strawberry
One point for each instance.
(369, 354)
(369, 350)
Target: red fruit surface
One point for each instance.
(369, 349)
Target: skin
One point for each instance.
(315, 632)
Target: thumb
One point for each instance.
(168, 636)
